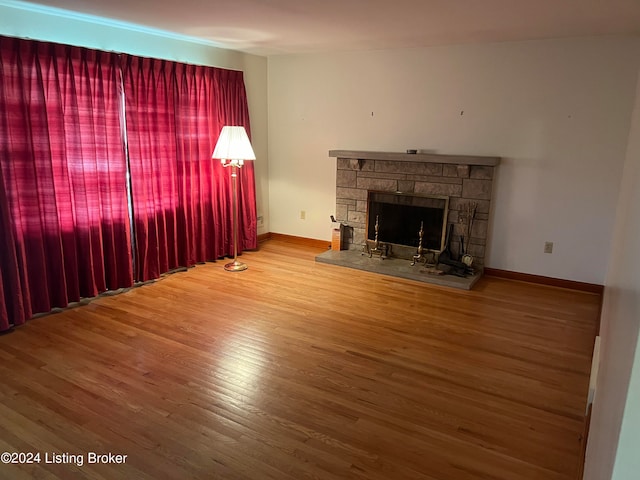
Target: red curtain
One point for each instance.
(64, 206)
(181, 197)
(63, 201)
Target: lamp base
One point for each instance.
(235, 266)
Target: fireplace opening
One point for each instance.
(399, 216)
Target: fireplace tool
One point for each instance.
(470, 215)
(456, 268)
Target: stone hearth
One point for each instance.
(462, 178)
(396, 267)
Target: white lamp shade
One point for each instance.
(233, 144)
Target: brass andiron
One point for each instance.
(425, 256)
(419, 257)
(378, 249)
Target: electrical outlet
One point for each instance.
(548, 247)
(303, 215)
(260, 220)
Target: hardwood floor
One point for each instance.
(294, 370)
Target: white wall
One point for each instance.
(20, 20)
(557, 111)
(615, 423)
(627, 464)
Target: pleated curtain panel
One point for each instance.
(106, 176)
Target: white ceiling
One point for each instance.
(270, 27)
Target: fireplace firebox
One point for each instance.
(401, 215)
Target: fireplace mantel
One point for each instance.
(417, 157)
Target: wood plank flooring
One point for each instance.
(297, 370)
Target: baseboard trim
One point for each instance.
(542, 280)
(309, 242)
(264, 237)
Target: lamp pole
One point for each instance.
(235, 266)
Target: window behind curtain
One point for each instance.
(63, 177)
(64, 219)
(181, 197)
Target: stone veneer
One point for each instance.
(462, 178)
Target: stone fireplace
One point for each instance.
(460, 179)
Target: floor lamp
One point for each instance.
(233, 148)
